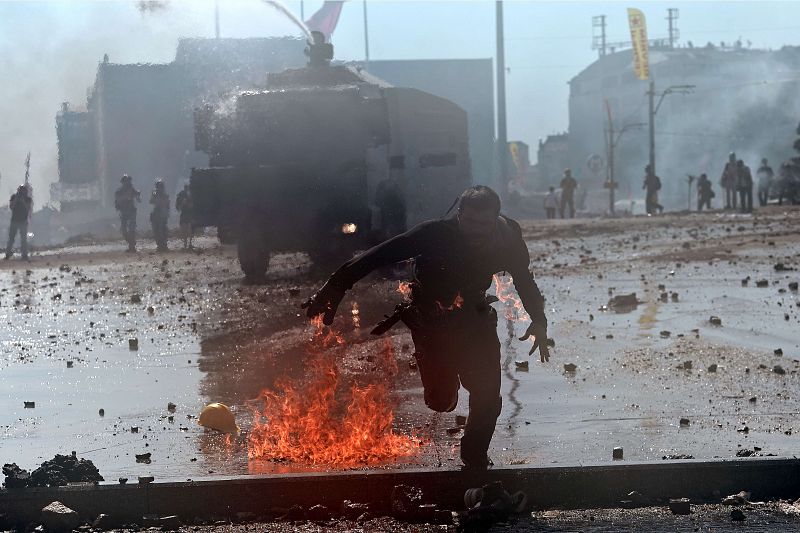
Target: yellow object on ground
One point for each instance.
(218, 416)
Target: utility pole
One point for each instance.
(502, 139)
(599, 40)
(216, 18)
(672, 17)
(614, 137)
(366, 38)
(653, 109)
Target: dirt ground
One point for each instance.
(203, 335)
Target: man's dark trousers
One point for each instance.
(463, 349)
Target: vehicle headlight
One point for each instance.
(349, 228)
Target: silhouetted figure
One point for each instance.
(125, 199)
(744, 184)
(452, 324)
(550, 203)
(568, 186)
(728, 181)
(159, 199)
(20, 204)
(704, 192)
(651, 185)
(184, 204)
(765, 176)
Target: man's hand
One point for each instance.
(326, 300)
(539, 334)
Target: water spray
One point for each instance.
(277, 4)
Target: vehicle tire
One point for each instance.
(253, 250)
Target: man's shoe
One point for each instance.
(479, 464)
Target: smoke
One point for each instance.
(744, 102)
(151, 6)
(51, 51)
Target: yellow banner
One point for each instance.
(638, 25)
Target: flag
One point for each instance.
(325, 19)
(638, 26)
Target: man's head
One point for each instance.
(22, 190)
(159, 184)
(126, 179)
(647, 168)
(703, 176)
(478, 208)
(764, 161)
(552, 189)
(739, 163)
(732, 157)
(567, 173)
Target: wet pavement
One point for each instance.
(205, 336)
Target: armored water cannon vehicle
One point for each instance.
(295, 166)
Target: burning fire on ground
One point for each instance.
(319, 421)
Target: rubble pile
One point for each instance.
(58, 471)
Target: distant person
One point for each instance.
(651, 185)
(184, 204)
(159, 215)
(704, 192)
(765, 176)
(568, 186)
(20, 204)
(550, 203)
(728, 181)
(125, 199)
(744, 184)
(391, 203)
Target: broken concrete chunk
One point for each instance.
(617, 453)
(762, 283)
(740, 498)
(59, 517)
(143, 458)
(715, 321)
(171, 407)
(521, 365)
(684, 422)
(133, 344)
(778, 369)
(136, 299)
(29, 405)
(778, 351)
(570, 367)
(712, 367)
(680, 506)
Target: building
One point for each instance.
(741, 100)
(139, 119)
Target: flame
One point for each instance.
(458, 302)
(514, 309)
(404, 289)
(356, 314)
(318, 423)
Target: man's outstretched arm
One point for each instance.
(531, 298)
(404, 246)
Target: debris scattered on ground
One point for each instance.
(623, 301)
(133, 344)
(617, 453)
(684, 422)
(29, 405)
(143, 458)
(58, 471)
(715, 321)
(677, 457)
(570, 367)
(712, 367)
(778, 369)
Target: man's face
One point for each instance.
(477, 226)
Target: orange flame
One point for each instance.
(318, 423)
(404, 289)
(506, 295)
(458, 302)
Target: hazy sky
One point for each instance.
(49, 50)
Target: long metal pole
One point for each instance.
(366, 37)
(216, 19)
(652, 113)
(502, 139)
